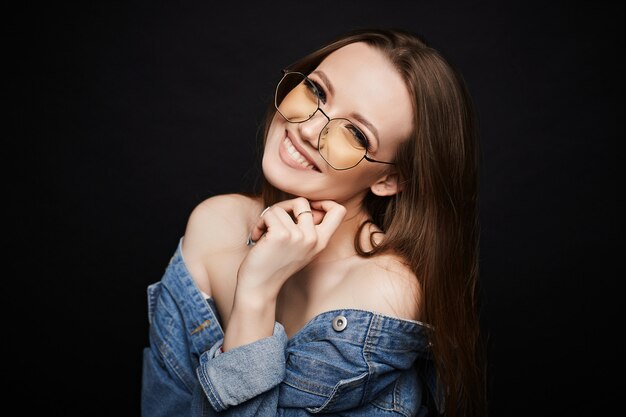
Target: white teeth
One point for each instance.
(295, 155)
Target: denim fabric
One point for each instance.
(376, 366)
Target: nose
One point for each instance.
(310, 129)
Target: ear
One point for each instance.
(387, 185)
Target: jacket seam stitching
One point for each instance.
(303, 388)
(163, 349)
(212, 394)
(365, 352)
(393, 410)
(396, 404)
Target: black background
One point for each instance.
(127, 115)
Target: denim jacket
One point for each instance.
(346, 362)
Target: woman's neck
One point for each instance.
(341, 244)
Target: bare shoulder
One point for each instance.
(221, 220)
(226, 203)
(216, 233)
(386, 284)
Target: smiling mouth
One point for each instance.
(297, 156)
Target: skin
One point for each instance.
(305, 264)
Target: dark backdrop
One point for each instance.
(130, 114)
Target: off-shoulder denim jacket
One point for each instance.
(344, 362)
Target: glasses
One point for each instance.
(341, 143)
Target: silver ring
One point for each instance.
(263, 212)
(305, 211)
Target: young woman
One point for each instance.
(348, 286)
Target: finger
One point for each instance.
(300, 209)
(274, 218)
(318, 212)
(318, 216)
(334, 214)
(294, 206)
(306, 218)
(257, 229)
(324, 205)
(301, 212)
(284, 217)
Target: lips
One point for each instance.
(299, 155)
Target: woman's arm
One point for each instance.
(286, 240)
(246, 381)
(185, 375)
(183, 369)
(179, 333)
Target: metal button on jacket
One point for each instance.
(340, 323)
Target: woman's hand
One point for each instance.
(288, 234)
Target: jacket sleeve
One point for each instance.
(246, 377)
(251, 381)
(184, 375)
(246, 381)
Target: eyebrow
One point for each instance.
(326, 81)
(355, 115)
(370, 126)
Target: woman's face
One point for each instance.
(359, 84)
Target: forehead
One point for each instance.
(367, 83)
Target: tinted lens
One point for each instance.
(296, 97)
(341, 144)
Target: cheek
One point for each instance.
(357, 178)
(275, 127)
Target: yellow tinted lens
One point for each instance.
(340, 144)
(299, 100)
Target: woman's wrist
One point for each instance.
(255, 291)
(252, 318)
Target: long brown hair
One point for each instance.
(433, 222)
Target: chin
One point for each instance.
(312, 185)
(286, 180)
(281, 180)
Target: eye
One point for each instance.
(359, 136)
(317, 90)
